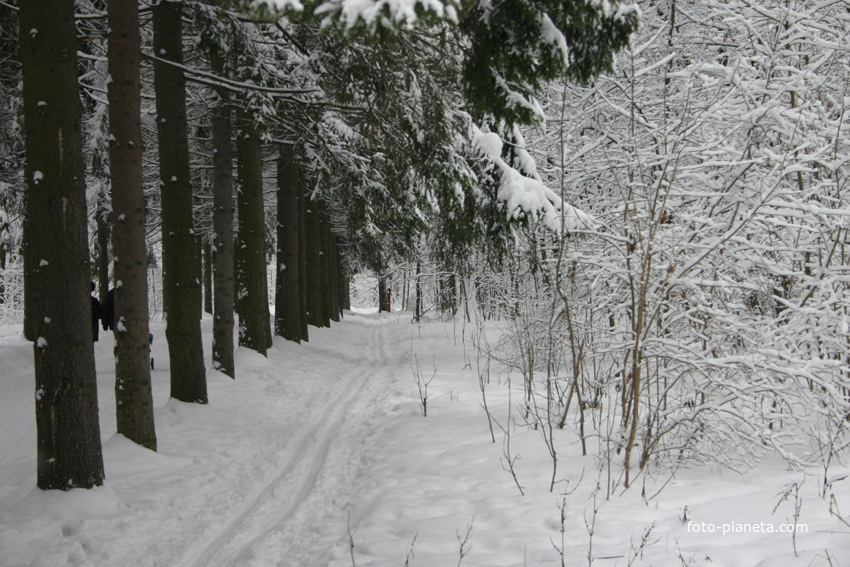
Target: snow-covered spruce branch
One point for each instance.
(523, 195)
(212, 80)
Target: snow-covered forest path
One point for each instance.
(288, 510)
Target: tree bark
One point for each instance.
(418, 309)
(382, 294)
(2, 269)
(333, 279)
(56, 244)
(287, 300)
(311, 243)
(223, 280)
(302, 266)
(199, 271)
(253, 297)
(179, 263)
(102, 221)
(451, 293)
(208, 278)
(133, 398)
(344, 301)
(324, 264)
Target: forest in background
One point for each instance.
(665, 241)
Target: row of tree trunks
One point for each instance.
(295, 236)
(310, 279)
(57, 267)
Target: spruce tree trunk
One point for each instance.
(302, 265)
(223, 281)
(103, 237)
(324, 265)
(343, 280)
(451, 293)
(2, 269)
(404, 290)
(382, 294)
(208, 278)
(287, 319)
(56, 242)
(418, 309)
(314, 279)
(253, 297)
(333, 279)
(133, 398)
(179, 262)
(28, 233)
(199, 270)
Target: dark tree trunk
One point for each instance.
(287, 319)
(346, 286)
(302, 266)
(208, 301)
(199, 271)
(223, 298)
(324, 265)
(103, 224)
(404, 290)
(311, 243)
(2, 269)
(418, 308)
(180, 283)
(133, 399)
(56, 243)
(382, 294)
(333, 279)
(29, 232)
(450, 292)
(253, 297)
(344, 302)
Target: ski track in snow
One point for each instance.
(275, 519)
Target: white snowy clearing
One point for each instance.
(320, 455)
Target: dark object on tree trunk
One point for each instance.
(96, 313)
(107, 313)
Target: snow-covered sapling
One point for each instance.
(422, 383)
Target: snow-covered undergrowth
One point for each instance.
(320, 455)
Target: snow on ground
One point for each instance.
(319, 456)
